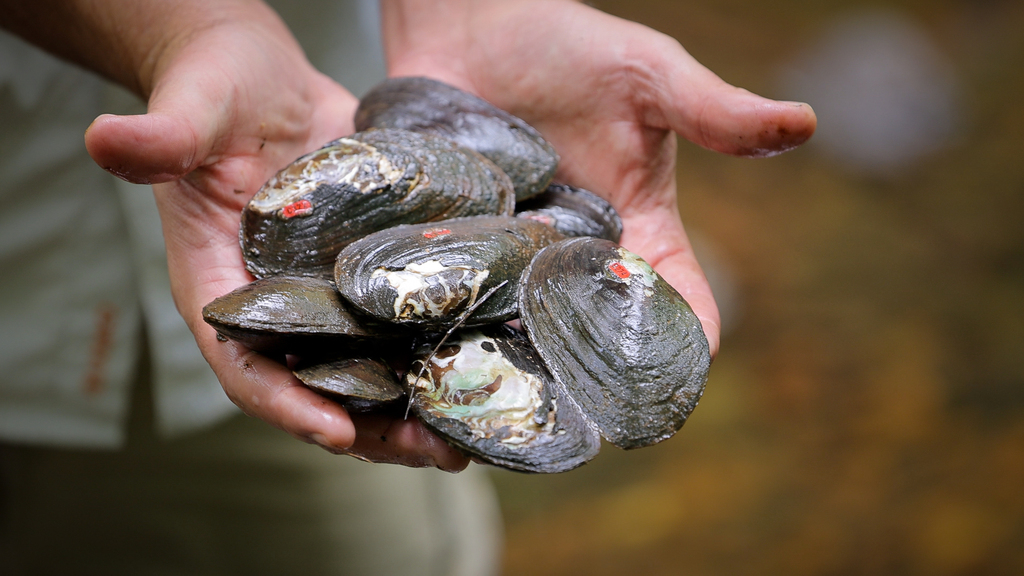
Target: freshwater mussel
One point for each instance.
(295, 315)
(624, 343)
(428, 106)
(429, 274)
(302, 217)
(488, 392)
(610, 349)
(356, 379)
(573, 212)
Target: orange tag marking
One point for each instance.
(542, 218)
(619, 270)
(300, 208)
(430, 234)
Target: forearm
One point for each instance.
(127, 41)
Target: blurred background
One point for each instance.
(866, 413)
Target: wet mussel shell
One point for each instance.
(486, 392)
(302, 217)
(359, 384)
(428, 274)
(624, 343)
(573, 212)
(296, 315)
(426, 105)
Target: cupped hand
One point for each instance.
(610, 95)
(230, 104)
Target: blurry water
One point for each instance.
(866, 413)
(884, 94)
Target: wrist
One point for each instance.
(444, 36)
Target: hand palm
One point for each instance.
(215, 131)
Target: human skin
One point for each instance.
(611, 95)
(232, 99)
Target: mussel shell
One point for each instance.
(426, 105)
(298, 315)
(624, 343)
(487, 392)
(573, 212)
(428, 274)
(302, 217)
(359, 384)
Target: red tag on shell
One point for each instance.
(619, 270)
(299, 208)
(430, 234)
(542, 218)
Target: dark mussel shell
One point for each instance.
(487, 392)
(359, 384)
(302, 217)
(624, 343)
(298, 315)
(426, 105)
(573, 212)
(428, 274)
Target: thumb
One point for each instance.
(145, 148)
(704, 109)
(173, 138)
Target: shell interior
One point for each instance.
(487, 392)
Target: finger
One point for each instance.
(701, 107)
(405, 442)
(186, 128)
(203, 108)
(204, 263)
(259, 386)
(187, 113)
(269, 391)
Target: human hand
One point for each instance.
(610, 95)
(231, 101)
